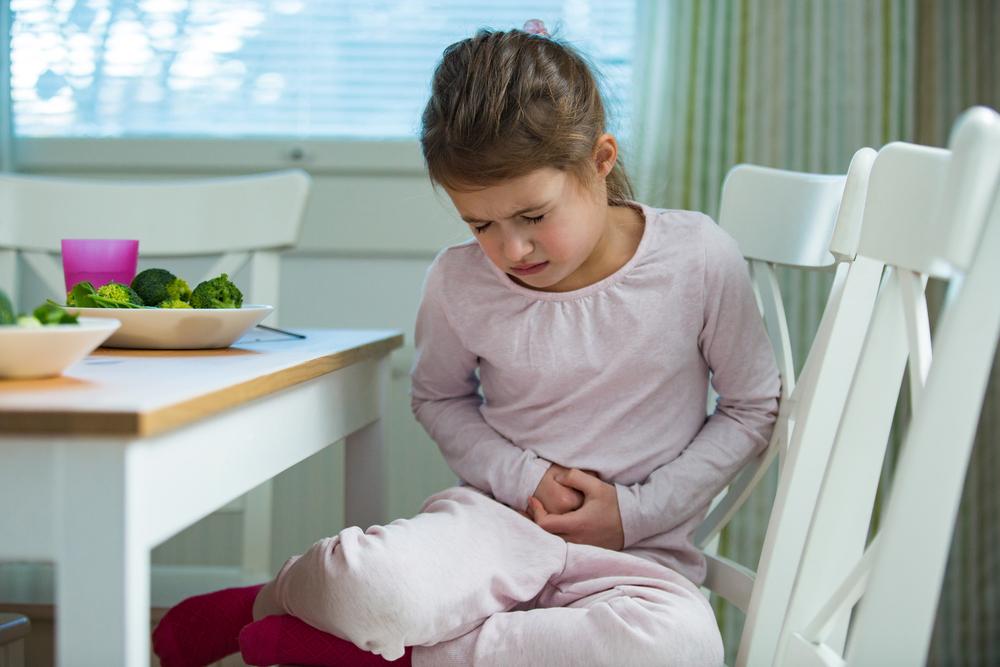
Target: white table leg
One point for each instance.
(102, 570)
(364, 464)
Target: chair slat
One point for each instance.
(730, 580)
(739, 490)
(229, 263)
(918, 331)
(808, 456)
(774, 319)
(45, 267)
(842, 600)
(804, 653)
(858, 451)
(173, 217)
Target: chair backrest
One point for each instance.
(769, 211)
(925, 216)
(780, 217)
(244, 219)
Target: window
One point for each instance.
(267, 68)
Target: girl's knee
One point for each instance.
(350, 582)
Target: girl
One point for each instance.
(562, 366)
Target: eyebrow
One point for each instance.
(472, 221)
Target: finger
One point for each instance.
(579, 480)
(560, 524)
(536, 509)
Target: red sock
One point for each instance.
(205, 628)
(285, 639)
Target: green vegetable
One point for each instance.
(219, 292)
(7, 315)
(83, 296)
(178, 290)
(173, 303)
(45, 314)
(112, 295)
(160, 285)
(51, 313)
(122, 296)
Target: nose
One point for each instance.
(516, 245)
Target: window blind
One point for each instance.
(264, 68)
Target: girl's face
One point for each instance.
(546, 229)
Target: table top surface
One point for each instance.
(145, 392)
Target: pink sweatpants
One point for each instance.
(469, 581)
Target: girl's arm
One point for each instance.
(735, 346)
(445, 400)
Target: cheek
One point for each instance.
(490, 247)
(561, 244)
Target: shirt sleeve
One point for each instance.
(445, 399)
(734, 344)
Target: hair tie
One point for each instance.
(535, 27)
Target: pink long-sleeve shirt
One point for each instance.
(612, 377)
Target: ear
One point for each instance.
(605, 154)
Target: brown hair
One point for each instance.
(504, 104)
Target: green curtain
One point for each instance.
(803, 84)
(958, 66)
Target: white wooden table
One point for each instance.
(130, 446)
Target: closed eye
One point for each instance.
(532, 221)
(481, 228)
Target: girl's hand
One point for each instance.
(556, 498)
(597, 522)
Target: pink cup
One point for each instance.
(99, 261)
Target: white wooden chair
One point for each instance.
(930, 213)
(246, 220)
(811, 222)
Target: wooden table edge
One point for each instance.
(160, 420)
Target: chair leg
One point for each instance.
(13, 629)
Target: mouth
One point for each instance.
(528, 269)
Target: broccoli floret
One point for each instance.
(178, 290)
(219, 292)
(119, 295)
(173, 303)
(83, 295)
(159, 285)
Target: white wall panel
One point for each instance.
(392, 214)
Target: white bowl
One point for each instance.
(177, 328)
(37, 352)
